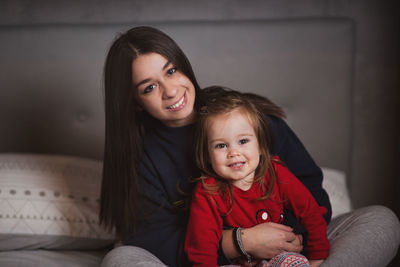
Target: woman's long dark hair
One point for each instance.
(124, 130)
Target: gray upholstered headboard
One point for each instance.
(318, 60)
(51, 79)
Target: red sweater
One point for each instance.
(209, 212)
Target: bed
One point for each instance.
(53, 116)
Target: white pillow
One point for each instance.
(50, 201)
(335, 185)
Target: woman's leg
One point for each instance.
(368, 236)
(130, 256)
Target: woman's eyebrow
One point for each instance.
(166, 64)
(141, 82)
(148, 79)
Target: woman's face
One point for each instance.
(162, 90)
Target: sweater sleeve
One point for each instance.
(204, 229)
(293, 153)
(162, 226)
(297, 198)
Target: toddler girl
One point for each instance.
(243, 185)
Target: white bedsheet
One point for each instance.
(335, 184)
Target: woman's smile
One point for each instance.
(162, 90)
(178, 105)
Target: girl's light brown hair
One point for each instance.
(224, 102)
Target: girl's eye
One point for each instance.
(149, 89)
(220, 146)
(243, 141)
(172, 71)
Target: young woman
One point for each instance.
(244, 185)
(152, 98)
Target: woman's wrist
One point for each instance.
(246, 240)
(228, 243)
(237, 239)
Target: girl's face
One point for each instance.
(162, 90)
(233, 147)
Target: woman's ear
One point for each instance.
(138, 108)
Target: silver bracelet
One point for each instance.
(237, 238)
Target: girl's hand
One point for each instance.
(298, 241)
(266, 240)
(315, 263)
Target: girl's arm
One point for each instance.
(293, 153)
(204, 229)
(297, 198)
(315, 263)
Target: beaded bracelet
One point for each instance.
(237, 238)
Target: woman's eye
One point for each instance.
(219, 146)
(172, 71)
(149, 88)
(243, 141)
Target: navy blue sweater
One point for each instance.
(167, 171)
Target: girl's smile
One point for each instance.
(233, 147)
(237, 165)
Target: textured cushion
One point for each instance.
(49, 201)
(335, 185)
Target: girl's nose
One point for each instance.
(233, 153)
(169, 90)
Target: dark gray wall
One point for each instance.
(375, 152)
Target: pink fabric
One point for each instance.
(284, 259)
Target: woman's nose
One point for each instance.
(169, 90)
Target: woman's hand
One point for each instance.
(267, 240)
(263, 241)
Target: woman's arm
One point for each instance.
(161, 229)
(263, 241)
(293, 153)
